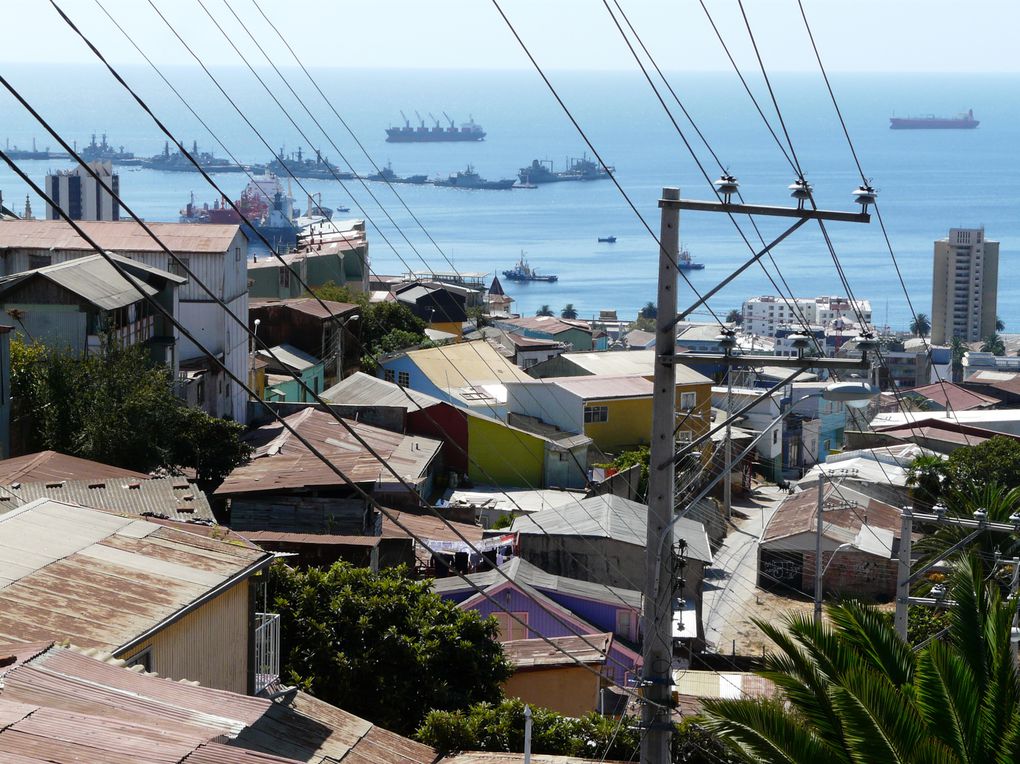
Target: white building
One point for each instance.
(764, 315)
(81, 196)
(965, 283)
(217, 254)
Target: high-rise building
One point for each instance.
(767, 314)
(964, 286)
(81, 196)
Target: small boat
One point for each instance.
(685, 263)
(524, 272)
(607, 239)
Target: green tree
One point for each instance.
(650, 310)
(963, 499)
(500, 727)
(958, 349)
(1000, 325)
(382, 645)
(924, 477)
(545, 310)
(119, 408)
(997, 460)
(920, 326)
(569, 311)
(993, 344)
(626, 460)
(735, 316)
(854, 691)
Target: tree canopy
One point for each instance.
(920, 325)
(382, 645)
(500, 727)
(119, 408)
(854, 691)
(569, 311)
(544, 310)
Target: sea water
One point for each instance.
(928, 181)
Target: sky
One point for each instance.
(854, 35)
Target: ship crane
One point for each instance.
(419, 118)
(433, 119)
(448, 118)
(407, 122)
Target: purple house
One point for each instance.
(554, 606)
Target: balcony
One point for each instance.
(267, 650)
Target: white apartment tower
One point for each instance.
(964, 286)
(766, 314)
(81, 196)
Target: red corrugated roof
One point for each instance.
(53, 465)
(954, 397)
(120, 236)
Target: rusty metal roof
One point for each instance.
(117, 236)
(313, 539)
(428, 527)
(307, 305)
(52, 465)
(171, 497)
(568, 651)
(102, 580)
(797, 514)
(65, 706)
(281, 462)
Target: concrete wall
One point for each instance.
(295, 513)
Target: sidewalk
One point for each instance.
(729, 590)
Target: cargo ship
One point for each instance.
(962, 121)
(33, 153)
(541, 171)
(524, 272)
(266, 205)
(471, 180)
(468, 131)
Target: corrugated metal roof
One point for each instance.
(120, 236)
(171, 497)
(52, 465)
(453, 367)
(533, 653)
(498, 757)
(65, 706)
(289, 356)
(428, 527)
(307, 305)
(548, 324)
(313, 539)
(797, 514)
(101, 580)
(360, 389)
(522, 571)
(602, 387)
(611, 517)
(281, 462)
(641, 362)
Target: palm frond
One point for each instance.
(947, 697)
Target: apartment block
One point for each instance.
(766, 314)
(964, 286)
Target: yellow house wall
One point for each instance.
(452, 327)
(703, 394)
(208, 645)
(503, 456)
(572, 691)
(629, 423)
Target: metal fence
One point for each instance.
(267, 650)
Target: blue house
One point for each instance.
(554, 606)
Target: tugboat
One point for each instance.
(541, 171)
(524, 272)
(470, 179)
(607, 240)
(685, 263)
(468, 131)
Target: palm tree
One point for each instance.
(1000, 325)
(958, 349)
(921, 325)
(962, 501)
(649, 311)
(569, 311)
(735, 317)
(545, 310)
(855, 692)
(993, 344)
(925, 476)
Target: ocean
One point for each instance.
(928, 181)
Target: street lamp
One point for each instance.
(251, 361)
(340, 343)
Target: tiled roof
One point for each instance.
(51, 465)
(120, 236)
(101, 580)
(171, 497)
(62, 706)
(281, 462)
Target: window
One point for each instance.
(143, 659)
(684, 436)
(688, 401)
(775, 437)
(404, 378)
(285, 277)
(510, 629)
(623, 622)
(237, 254)
(389, 375)
(596, 414)
(529, 362)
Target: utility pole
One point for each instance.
(728, 465)
(819, 570)
(657, 643)
(903, 571)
